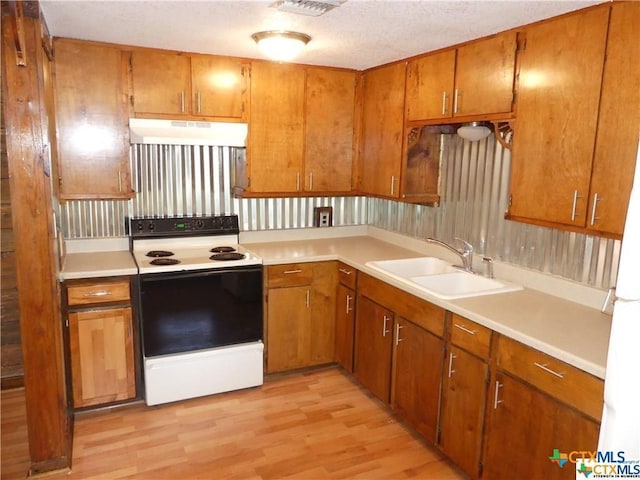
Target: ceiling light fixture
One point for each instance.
(281, 45)
(474, 131)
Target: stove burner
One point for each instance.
(159, 253)
(222, 249)
(165, 261)
(227, 256)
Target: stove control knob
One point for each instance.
(198, 224)
(152, 226)
(140, 225)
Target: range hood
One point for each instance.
(187, 132)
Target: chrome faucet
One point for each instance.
(465, 253)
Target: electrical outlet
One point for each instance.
(323, 216)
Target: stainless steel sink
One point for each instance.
(440, 279)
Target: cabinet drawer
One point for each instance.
(289, 275)
(347, 275)
(98, 293)
(469, 335)
(560, 380)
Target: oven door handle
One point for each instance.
(153, 277)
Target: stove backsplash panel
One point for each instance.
(193, 180)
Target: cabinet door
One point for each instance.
(218, 86)
(276, 131)
(417, 373)
(102, 365)
(345, 321)
(618, 123)
(519, 444)
(372, 362)
(430, 86)
(464, 395)
(289, 317)
(557, 109)
(161, 83)
(92, 121)
(382, 130)
(329, 123)
(484, 76)
(323, 308)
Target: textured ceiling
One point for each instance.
(359, 34)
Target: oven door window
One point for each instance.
(184, 312)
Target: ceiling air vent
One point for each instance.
(307, 7)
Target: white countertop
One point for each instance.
(98, 264)
(577, 333)
(569, 331)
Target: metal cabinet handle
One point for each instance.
(288, 272)
(297, 181)
(544, 367)
(444, 103)
(451, 358)
(593, 210)
(385, 319)
(182, 101)
(465, 329)
(199, 102)
(119, 180)
(349, 308)
(455, 101)
(345, 271)
(496, 395)
(310, 180)
(308, 300)
(393, 183)
(398, 339)
(98, 293)
(575, 205)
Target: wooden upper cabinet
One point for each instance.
(329, 129)
(180, 85)
(618, 123)
(484, 76)
(219, 86)
(161, 83)
(474, 79)
(91, 90)
(382, 130)
(430, 86)
(276, 130)
(557, 109)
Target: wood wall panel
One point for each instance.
(27, 100)
(11, 370)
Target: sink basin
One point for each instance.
(440, 279)
(459, 284)
(413, 267)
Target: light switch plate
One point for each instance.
(323, 216)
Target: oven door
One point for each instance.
(190, 311)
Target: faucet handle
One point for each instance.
(468, 248)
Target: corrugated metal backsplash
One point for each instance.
(180, 180)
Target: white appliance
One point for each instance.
(187, 132)
(200, 307)
(620, 429)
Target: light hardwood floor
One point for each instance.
(313, 425)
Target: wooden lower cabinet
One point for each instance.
(345, 325)
(417, 369)
(102, 356)
(372, 357)
(464, 393)
(300, 315)
(525, 426)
